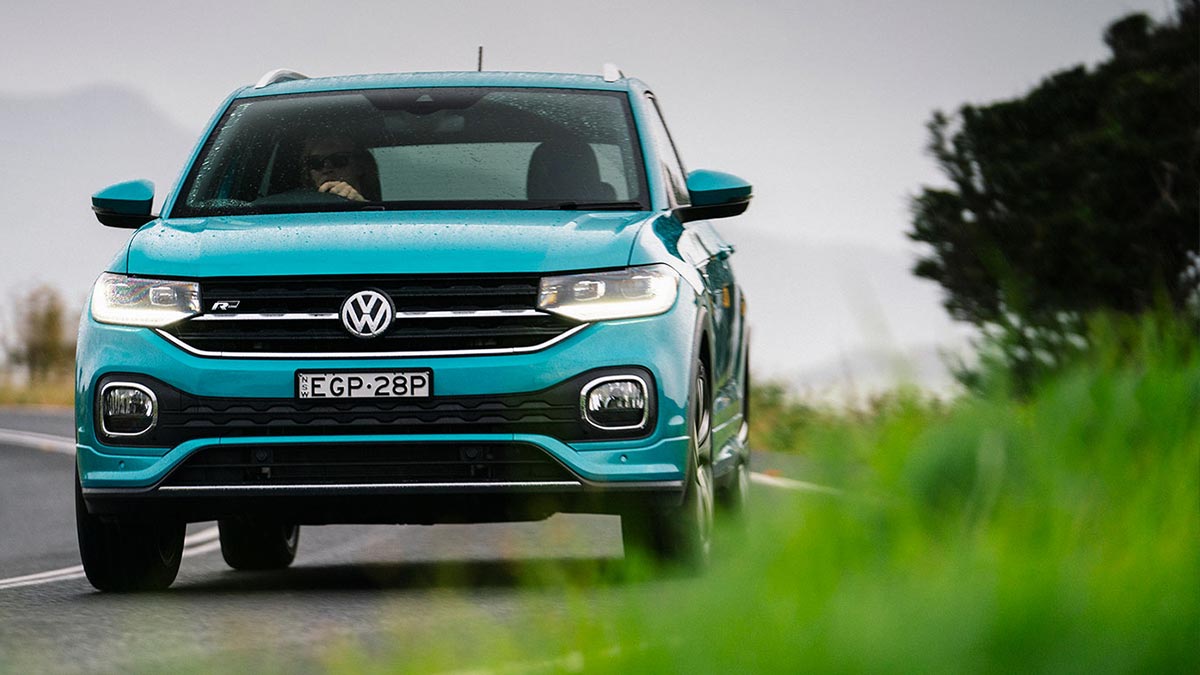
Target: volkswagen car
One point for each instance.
(414, 298)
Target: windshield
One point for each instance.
(434, 148)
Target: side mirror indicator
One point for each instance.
(125, 204)
(716, 195)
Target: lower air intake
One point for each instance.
(367, 464)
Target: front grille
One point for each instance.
(264, 316)
(367, 464)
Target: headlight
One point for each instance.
(131, 301)
(623, 294)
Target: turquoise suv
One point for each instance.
(413, 298)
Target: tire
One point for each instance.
(734, 497)
(683, 534)
(127, 554)
(253, 545)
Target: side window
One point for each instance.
(665, 147)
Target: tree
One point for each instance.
(1079, 197)
(39, 342)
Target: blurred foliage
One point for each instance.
(781, 421)
(39, 340)
(58, 390)
(1081, 196)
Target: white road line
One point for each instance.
(65, 574)
(204, 541)
(32, 439)
(202, 537)
(42, 575)
(792, 484)
(202, 549)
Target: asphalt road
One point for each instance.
(348, 582)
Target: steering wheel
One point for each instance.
(300, 196)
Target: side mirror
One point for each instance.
(715, 195)
(125, 205)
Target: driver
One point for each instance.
(335, 164)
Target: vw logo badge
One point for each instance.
(367, 314)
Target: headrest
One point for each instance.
(565, 170)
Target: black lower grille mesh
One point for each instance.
(367, 464)
(205, 418)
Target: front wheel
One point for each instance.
(253, 545)
(735, 496)
(126, 554)
(682, 534)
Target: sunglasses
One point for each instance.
(337, 160)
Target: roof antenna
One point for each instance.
(479, 66)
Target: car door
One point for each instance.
(725, 299)
(703, 247)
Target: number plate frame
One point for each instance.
(308, 382)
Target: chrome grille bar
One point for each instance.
(296, 316)
(331, 316)
(330, 487)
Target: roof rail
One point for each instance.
(278, 75)
(612, 73)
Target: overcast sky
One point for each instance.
(821, 104)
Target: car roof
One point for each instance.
(438, 79)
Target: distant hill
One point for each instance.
(821, 313)
(59, 149)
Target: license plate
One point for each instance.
(365, 384)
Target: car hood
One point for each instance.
(408, 242)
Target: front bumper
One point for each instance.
(388, 504)
(126, 475)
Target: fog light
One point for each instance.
(614, 403)
(127, 409)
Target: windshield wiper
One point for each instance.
(592, 206)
